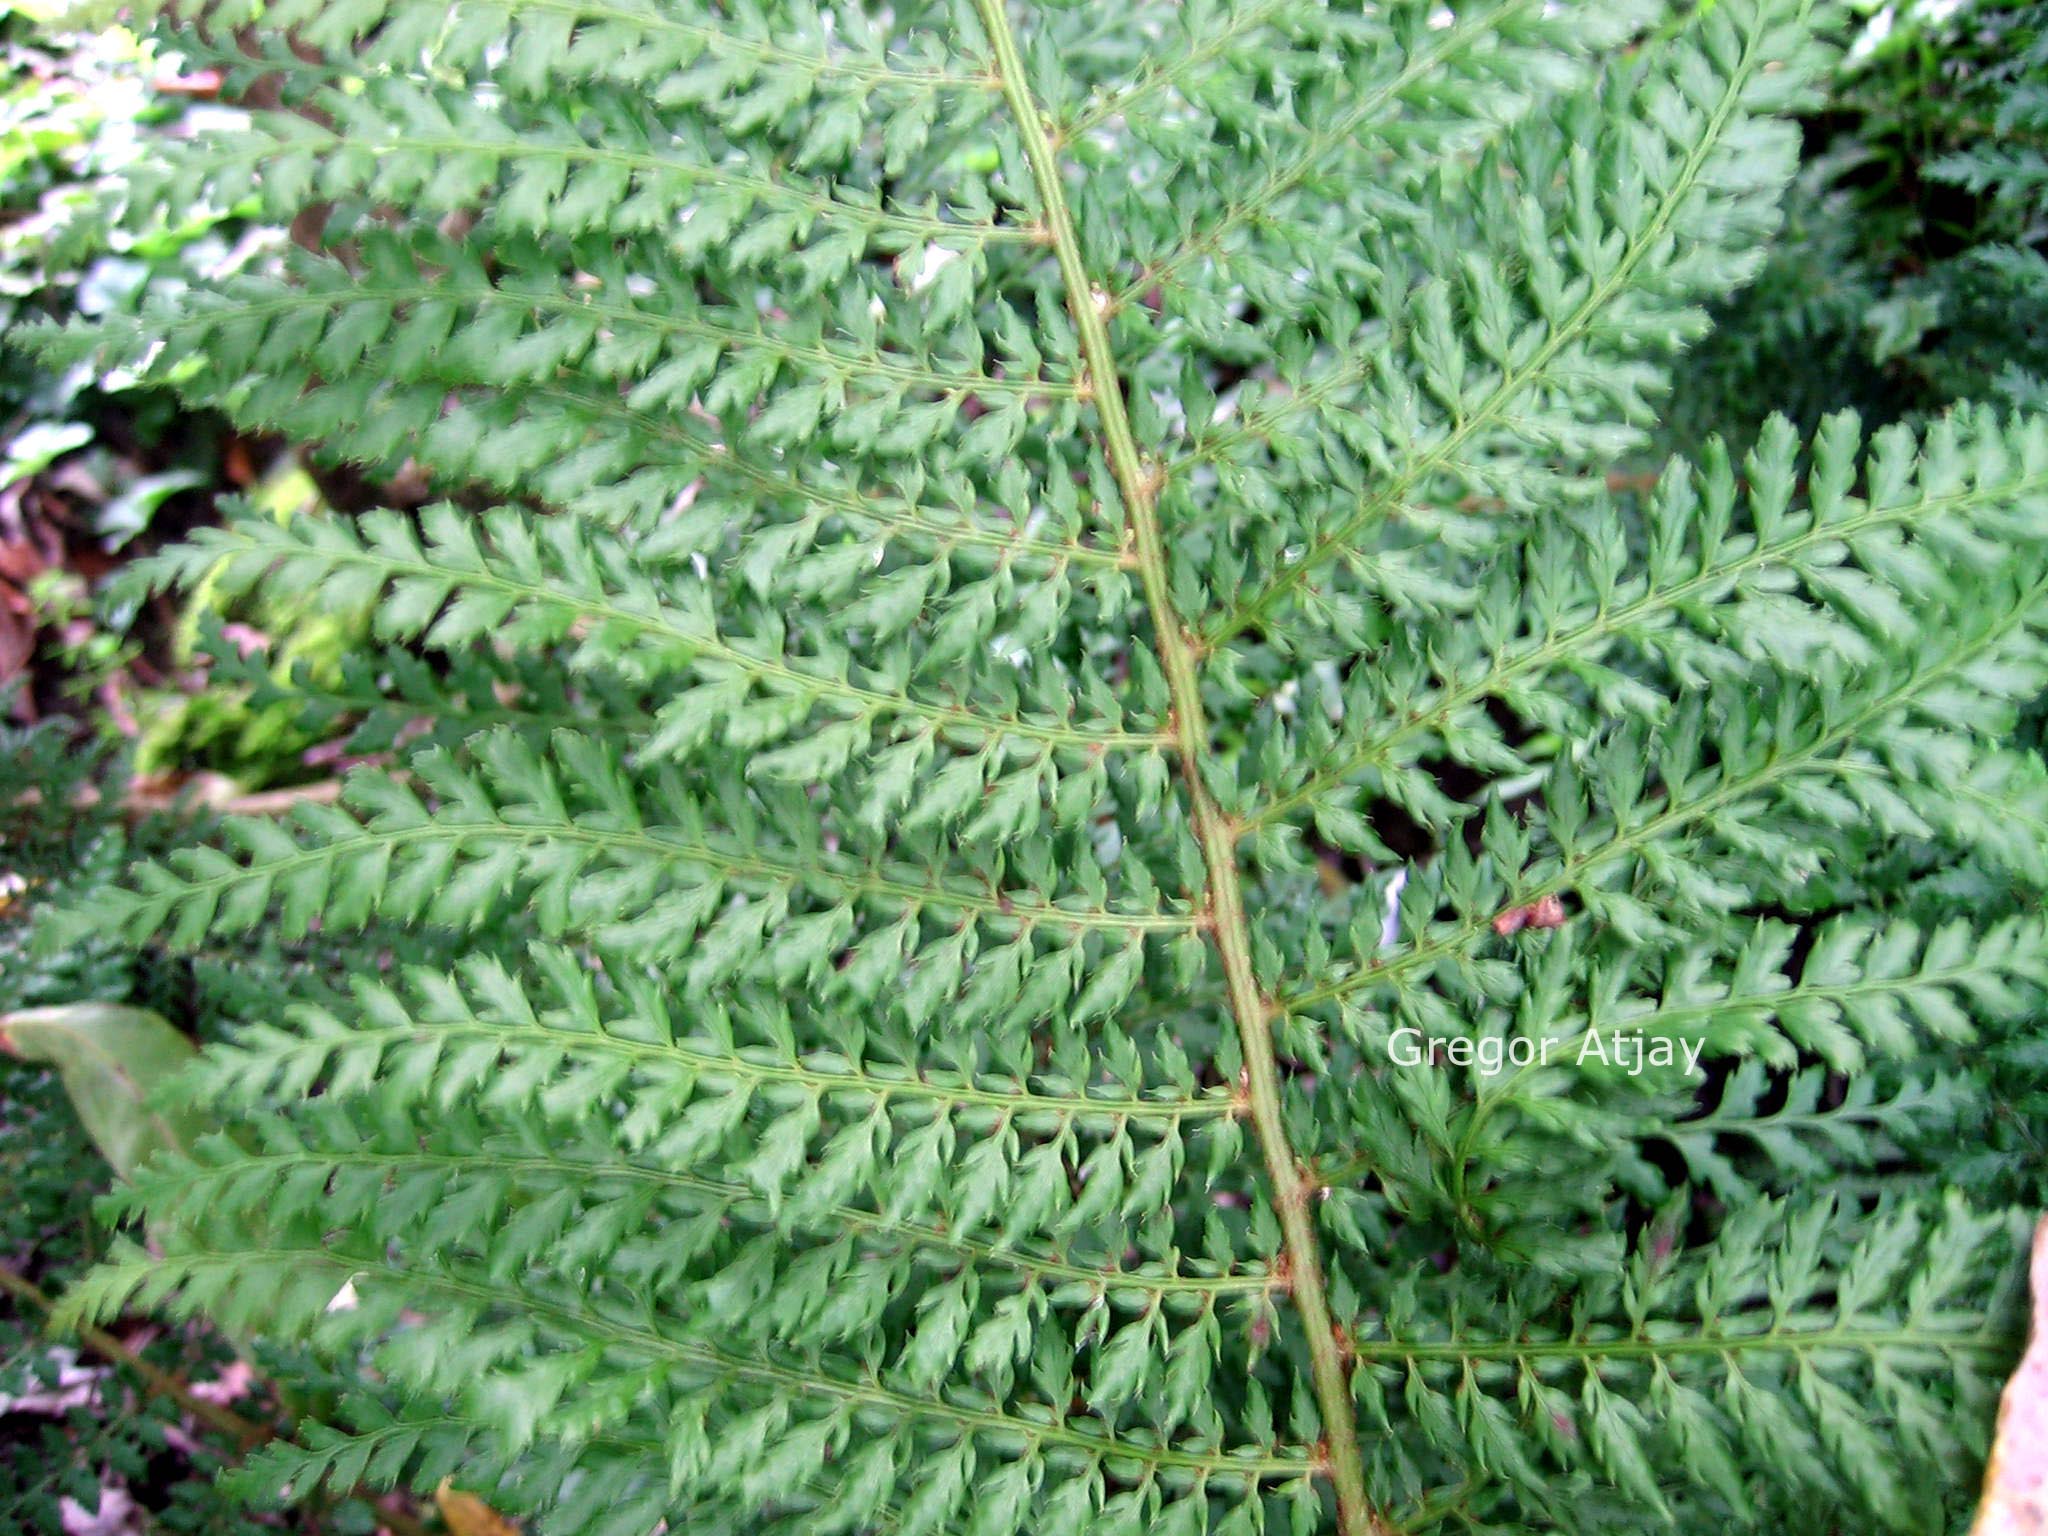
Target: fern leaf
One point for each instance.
(1028, 739)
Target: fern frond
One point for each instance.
(1055, 589)
(1696, 167)
(1781, 789)
(1803, 1137)
(1764, 1352)
(542, 581)
(1717, 601)
(386, 698)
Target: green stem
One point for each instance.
(744, 1201)
(775, 672)
(1981, 1341)
(1292, 1187)
(1008, 912)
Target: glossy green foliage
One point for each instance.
(1026, 599)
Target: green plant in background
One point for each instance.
(76, 1426)
(48, 1166)
(83, 1432)
(1952, 121)
(227, 724)
(1064, 861)
(1912, 272)
(78, 111)
(101, 1434)
(90, 460)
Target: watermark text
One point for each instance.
(1619, 1049)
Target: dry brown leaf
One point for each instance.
(2016, 1479)
(117, 1514)
(75, 1386)
(17, 641)
(468, 1515)
(1545, 912)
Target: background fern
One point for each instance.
(1910, 273)
(1019, 590)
